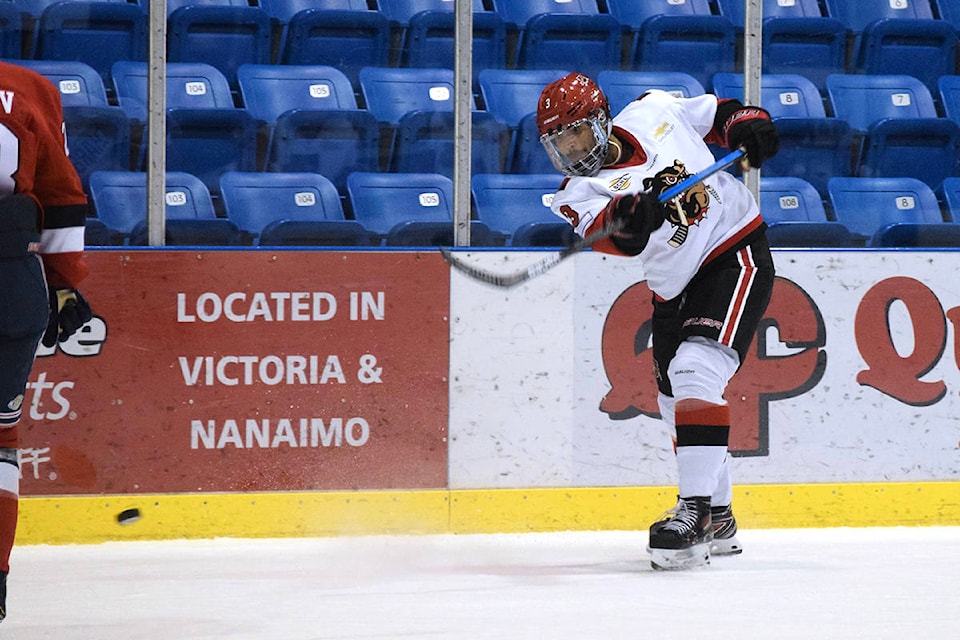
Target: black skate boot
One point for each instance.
(682, 541)
(725, 541)
(3, 595)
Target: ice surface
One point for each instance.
(898, 583)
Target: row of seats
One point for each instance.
(415, 209)
(304, 118)
(914, 37)
(304, 209)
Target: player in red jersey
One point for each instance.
(42, 214)
(705, 256)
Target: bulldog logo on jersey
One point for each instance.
(686, 209)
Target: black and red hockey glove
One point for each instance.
(641, 215)
(750, 128)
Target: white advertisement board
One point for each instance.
(854, 376)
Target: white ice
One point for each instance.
(897, 583)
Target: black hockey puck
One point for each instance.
(128, 516)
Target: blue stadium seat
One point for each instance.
(517, 208)
(924, 49)
(948, 90)
(221, 36)
(97, 33)
(194, 85)
(857, 14)
(516, 13)
(409, 209)
(783, 95)
(173, 5)
(331, 143)
(705, 44)
(429, 41)
(927, 149)
(632, 14)
(80, 85)
(949, 194)
(347, 40)
(289, 209)
(809, 235)
(867, 205)
(813, 47)
(623, 87)
(588, 43)
(929, 234)
(511, 94)
(526, 154)
(424, 143)
(948, 10)
(794, 212)
(98, 138)
(815, 150)
(11, 32)
(392, 93)
(270, 90)
(861, 100)
(735, 12)
(209, 142)
(120, 200)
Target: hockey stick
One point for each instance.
(537, 268)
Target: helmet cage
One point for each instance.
(587, 164)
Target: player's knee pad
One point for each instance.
(9, 471)
(701, 369)
(666, 404)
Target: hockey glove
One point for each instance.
(68, 312)
(750, 128)
(641, 214)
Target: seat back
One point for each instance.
(810, 46)
(253, 200)
(208, 142)
(927, 149)
(706, 44)
(120, 198)
(948, 89)
(346, 40)
(282, 11)
(789, 199)
(510, 94)
(193, 85)
(865, 205)
(98, 138)
(11, 32)
(857, 15)
(391, 93)
(735, 12)
(810, 235)
(382, 201)
(173, 5)
(430, 42)
(516, 13)
(861, 100)
(526, 153)
(813, 149)
(221, 36)
(270, 90)
(949, 193)
(588, 43)
(401, 12)
(331, 143)
(507, 202)
(927, 234)
(783, 95)
(96, 33)
(424, 143)
(80, 85)
(948, 10)
(623, 87)
(924, 49)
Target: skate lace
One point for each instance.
(683, 517)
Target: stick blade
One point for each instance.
(501, 280)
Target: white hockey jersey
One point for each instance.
(667, 135)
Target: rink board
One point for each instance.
(260, 393)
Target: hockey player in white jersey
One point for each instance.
(705, 256)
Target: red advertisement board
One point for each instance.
(246, 371)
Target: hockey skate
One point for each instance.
(682, 540)
(3, 595)
(725, 541)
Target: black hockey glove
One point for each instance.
(68, 312)
(641, 214)
(750, 128)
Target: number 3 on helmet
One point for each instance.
(573, 118)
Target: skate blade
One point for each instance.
(725, 547)
(680, 559)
